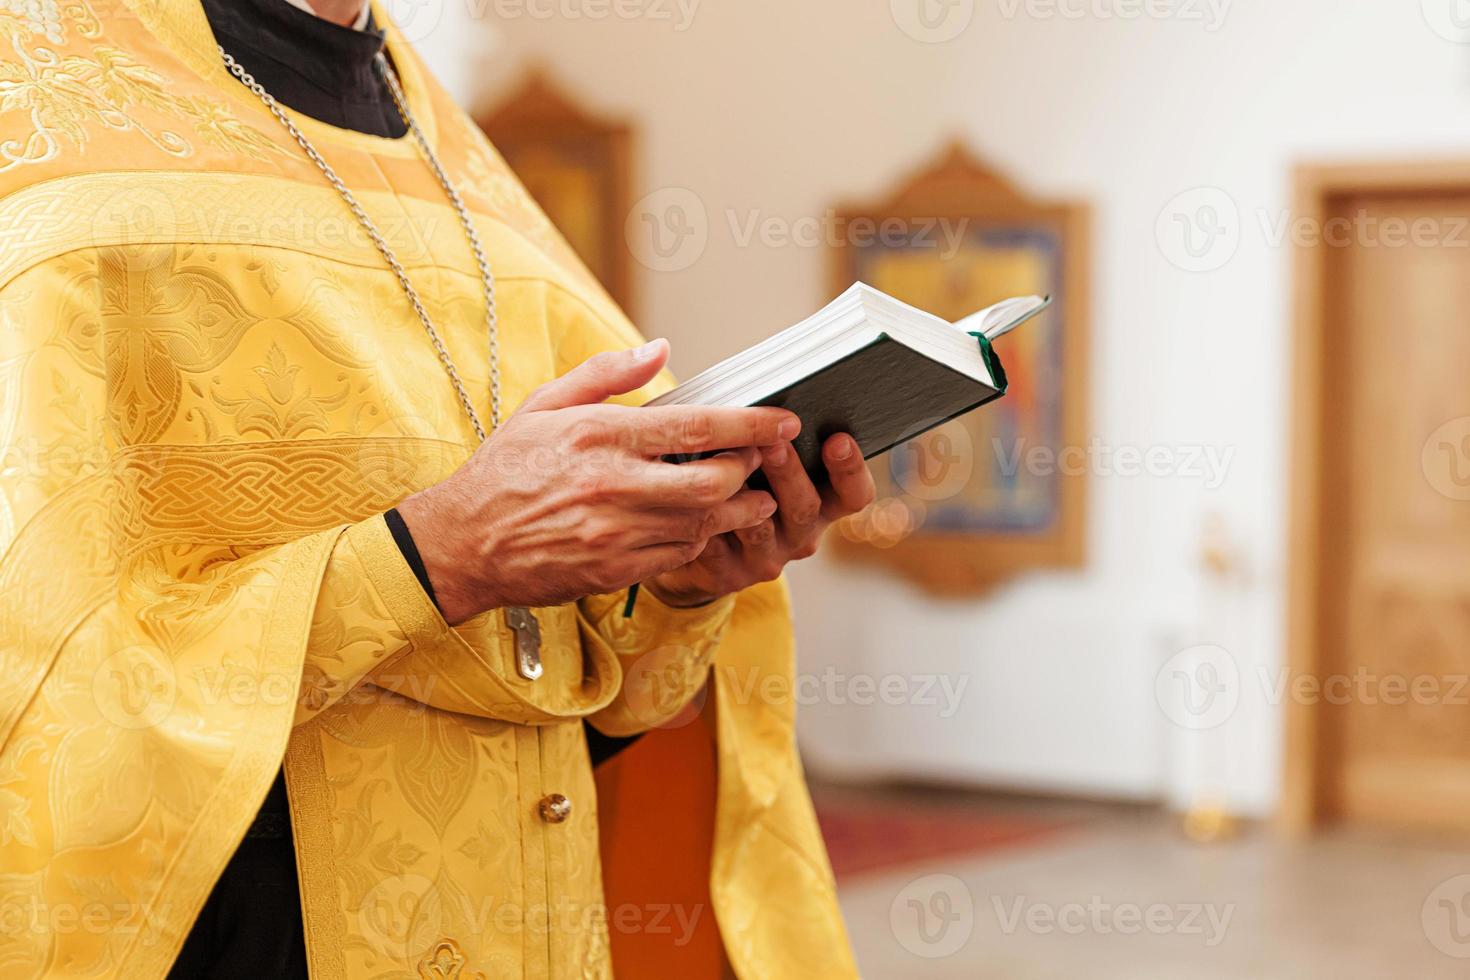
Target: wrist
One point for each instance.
(408, 548)
(435, 535)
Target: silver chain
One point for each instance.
(487, 278)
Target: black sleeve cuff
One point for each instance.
(602, 747)
(404, 540)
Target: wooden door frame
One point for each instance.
(1316, 186)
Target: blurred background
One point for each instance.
(1158, 667)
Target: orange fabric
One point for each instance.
(656, 809)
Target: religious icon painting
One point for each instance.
(576, 165)
(999, 491)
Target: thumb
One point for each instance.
(600, 377)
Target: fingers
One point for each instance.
(798, 503)
(760, 551)
(713, 570)
(746, 509)
(701, 483)
(680, 429)
(851, 484)
(600, 377)
(719, 553)
(657, 559)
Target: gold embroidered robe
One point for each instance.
(210, 386)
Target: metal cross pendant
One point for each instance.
(528, 641)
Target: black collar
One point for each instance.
(318, 68)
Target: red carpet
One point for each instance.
(864, 836)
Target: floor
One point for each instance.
(1111, 893)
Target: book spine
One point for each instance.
(992, 360)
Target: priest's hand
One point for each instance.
(731, 562)
(570, 496)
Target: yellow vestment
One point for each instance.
(211, 386)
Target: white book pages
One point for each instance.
(1005, 316)
(860, 316)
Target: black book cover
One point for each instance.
(883, 394)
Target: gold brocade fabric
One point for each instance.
(211, 387)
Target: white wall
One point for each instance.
(784, 108)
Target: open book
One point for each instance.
(869, 365)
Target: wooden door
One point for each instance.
(1385, 693)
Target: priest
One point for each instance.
(333, 554)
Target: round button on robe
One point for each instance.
(555, 808)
